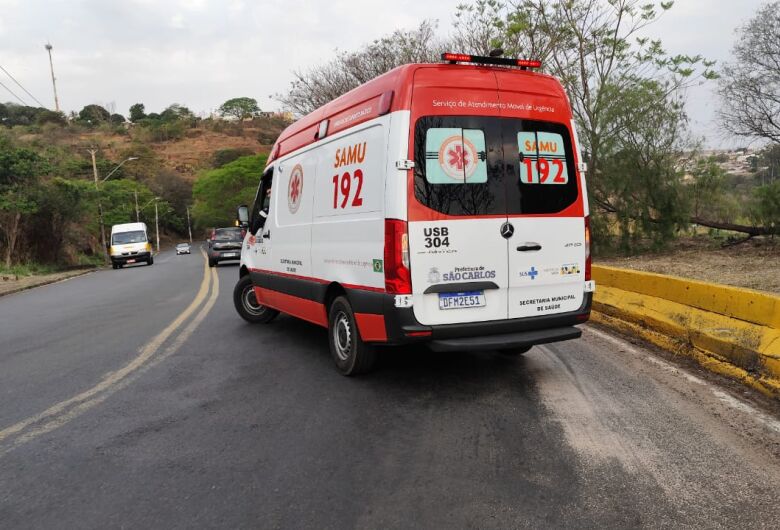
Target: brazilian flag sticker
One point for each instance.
(378, 266)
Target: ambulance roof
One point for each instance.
(393, 91)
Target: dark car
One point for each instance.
(225, 244)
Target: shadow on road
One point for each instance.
(407, 368)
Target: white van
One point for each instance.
(130, 244)
(439, 203)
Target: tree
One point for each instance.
(117, 119)
(750, 84)
(219, 191)
(315, 87)
(708, 192)
(94, 114)
(240, 108)
(20, 171)
(137, 112)
(49, 116)
(642, 187)
(766, 207)
(176, 112)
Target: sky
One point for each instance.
(200, 53)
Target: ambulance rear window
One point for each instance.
(458, 165)
(472, 165)
(455, 156)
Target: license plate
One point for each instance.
(461, 300)
(230, 255)
(131, 261)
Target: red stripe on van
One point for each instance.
(371, 327)
(308, 310)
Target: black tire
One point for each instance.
(246, 303)
(150, 261)
(115, 266)
(351, 355)
(515, 351)
(212, 263)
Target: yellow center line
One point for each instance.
(91, 397)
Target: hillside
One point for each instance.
(146, 171)
(194, 151)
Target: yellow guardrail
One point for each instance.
(729, 330)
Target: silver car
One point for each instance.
(183, 248)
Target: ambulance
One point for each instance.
(438, 203)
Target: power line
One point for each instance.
(14, 95)
(20, 86)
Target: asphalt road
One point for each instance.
(138, 399)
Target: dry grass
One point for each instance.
(754, 264)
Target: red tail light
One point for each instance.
(587, 248)
(398, 279)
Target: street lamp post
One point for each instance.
(189, 227)
(157, 225)
(156, 220)
(97, 189)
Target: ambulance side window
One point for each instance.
(262, 203)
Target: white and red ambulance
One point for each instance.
(438, 203)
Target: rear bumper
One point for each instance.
(219, 255)
(381, 322)
(507, 340)
(402, 327)
(121, 260)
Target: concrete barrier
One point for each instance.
(731, 331)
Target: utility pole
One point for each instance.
(189, 228)
(97, 189)
(137, 213)
(157, 226)
(53, 80)
(100, 205)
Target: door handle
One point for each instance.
(529, 247)
(267, 235)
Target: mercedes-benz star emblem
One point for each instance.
(507, 230)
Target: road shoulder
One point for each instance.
(24, 283)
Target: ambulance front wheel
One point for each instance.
(351, 354)
(246, 303)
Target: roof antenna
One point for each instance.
(496, 52)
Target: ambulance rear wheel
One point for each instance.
(246, 303)
(511, 352)
(351, 355)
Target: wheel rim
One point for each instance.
(342, 336)
(249, 300)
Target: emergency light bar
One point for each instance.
(480, 59)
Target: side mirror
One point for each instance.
(242, 215)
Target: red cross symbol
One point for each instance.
(458, 157)
(295, 188)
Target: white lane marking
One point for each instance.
(726, 399)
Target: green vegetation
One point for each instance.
(218, 192)
(49, 200)
(240, 108)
